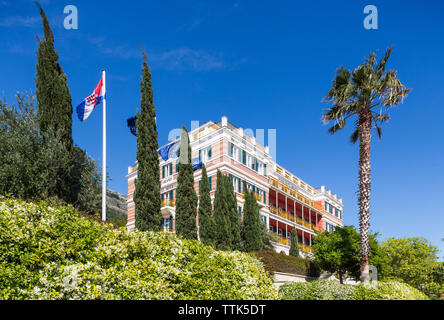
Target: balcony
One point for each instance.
(167, 207)
(304, 247)
(283, 241)
(167, 203)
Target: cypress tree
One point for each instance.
(235, 220)
(54, 105)
(294, 248)
(252, 232)
(186, 198)
(223, 235)
(147, 192)
(206, 221)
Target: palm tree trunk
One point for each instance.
(364, 190)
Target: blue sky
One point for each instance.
(263, 64)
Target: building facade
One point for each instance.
(285, 201)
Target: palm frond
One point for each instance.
(355, 136)
(337, 126)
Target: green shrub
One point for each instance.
(316, 290)
(278, 262)
(333, 290)
(388, 290)
(50, 252)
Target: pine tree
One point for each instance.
(186, 198)
(223, 236)
(206, 221)
(147, 192)
(235, 220)
(252, 232)
(54, 104)
(294, 249)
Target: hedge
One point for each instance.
(333, 290)
(280, 262)
(52, 252)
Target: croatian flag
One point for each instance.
(89, 103)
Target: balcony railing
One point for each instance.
(167, 203)
(283, 241)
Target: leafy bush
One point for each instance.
(278, 262)
(316, 290)
(333, 290)
(388, 290)
(51, 252)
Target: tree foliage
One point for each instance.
(235, 219)
(186, 198)
(54, 106)
(414, 261)
(224, 237)
(338, 252)
(206, 220)
(147, 190)
(294, 248)
(32, 160)
(252, 233)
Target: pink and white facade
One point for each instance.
(285, 201)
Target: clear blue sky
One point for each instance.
(263, 64)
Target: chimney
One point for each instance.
(224, 121)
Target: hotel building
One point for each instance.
(285, 201)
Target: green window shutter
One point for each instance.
(325, 206)
(239, 185)
(163, 172)
(171, 194)
(244, 157)
(171, 168)
(230, 149)
(239, 211)
(209, 153)
(209, 182)
(200, 154)
(265, 169)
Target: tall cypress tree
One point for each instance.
(53, 96)
(223, 236)
(147, 192)
(206, 221)
(252, 232)
(294, 248)
(186, 198)
(54, 106)
(235, 220)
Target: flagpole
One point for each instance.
(104, 150)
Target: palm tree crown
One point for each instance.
(369, 86)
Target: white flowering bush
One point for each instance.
(388, 290)
(316, 290)
(333, 290)
(51, 252)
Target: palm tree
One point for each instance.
(368, 92)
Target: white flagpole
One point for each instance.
(104, 150)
